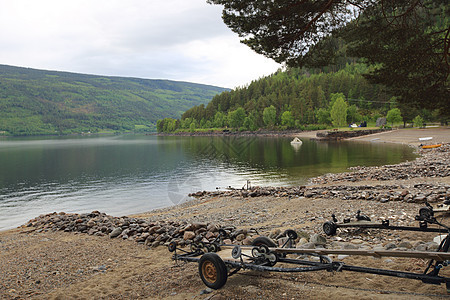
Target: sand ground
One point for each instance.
(408, 136)
(58, 265)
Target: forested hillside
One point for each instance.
(34, 102)
(296, 98)
(297, 91)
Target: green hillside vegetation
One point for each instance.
(294, 99)
(37, 102)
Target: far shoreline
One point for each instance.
(262, 133)
(312, 134)
(404, 136)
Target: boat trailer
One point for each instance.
(425, 217)
(215, 264)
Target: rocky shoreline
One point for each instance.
(340, 135)
(154, 234)
(322, 135)
(261, 133)
(417, 193)
(430, 164)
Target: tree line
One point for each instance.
(298, 98)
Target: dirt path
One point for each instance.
(401, 136)
(410, 136)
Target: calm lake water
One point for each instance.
(128, 174)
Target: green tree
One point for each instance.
(236, 117)
(219, 119)
(334, 97)
(160, 125)
(353, 114)
(270, 116)
(418, 121)
(287, 119)
(250, 122)
(323, 116)
(407, 50)
(394, 116)
(339, 112)
(169, 125)
(193, 126)
(202, 123)
(186, 123)
(285, 30)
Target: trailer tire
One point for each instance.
(172, 246)
(263, 240)
(194, 247)
(214, 247)
(364, 218)
(212, 270)
(263, 249)
(272, 259)
(329, 228)
(255, 252)
(236, 252)
(223, 233)
(426, 212)
(292, 234)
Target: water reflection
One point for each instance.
(313, 158)
(130, 174)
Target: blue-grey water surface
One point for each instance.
(128, 174)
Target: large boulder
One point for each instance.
(317, 239)
(115, 233)
(188, 235)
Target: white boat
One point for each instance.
(296, 141)
(426, 138)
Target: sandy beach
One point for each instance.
(41, 264)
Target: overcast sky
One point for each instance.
(182, 40)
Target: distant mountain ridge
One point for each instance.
(35, 102)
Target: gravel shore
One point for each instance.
(63, 256)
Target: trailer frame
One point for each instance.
(214, 269)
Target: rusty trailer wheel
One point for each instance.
(212, 270)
